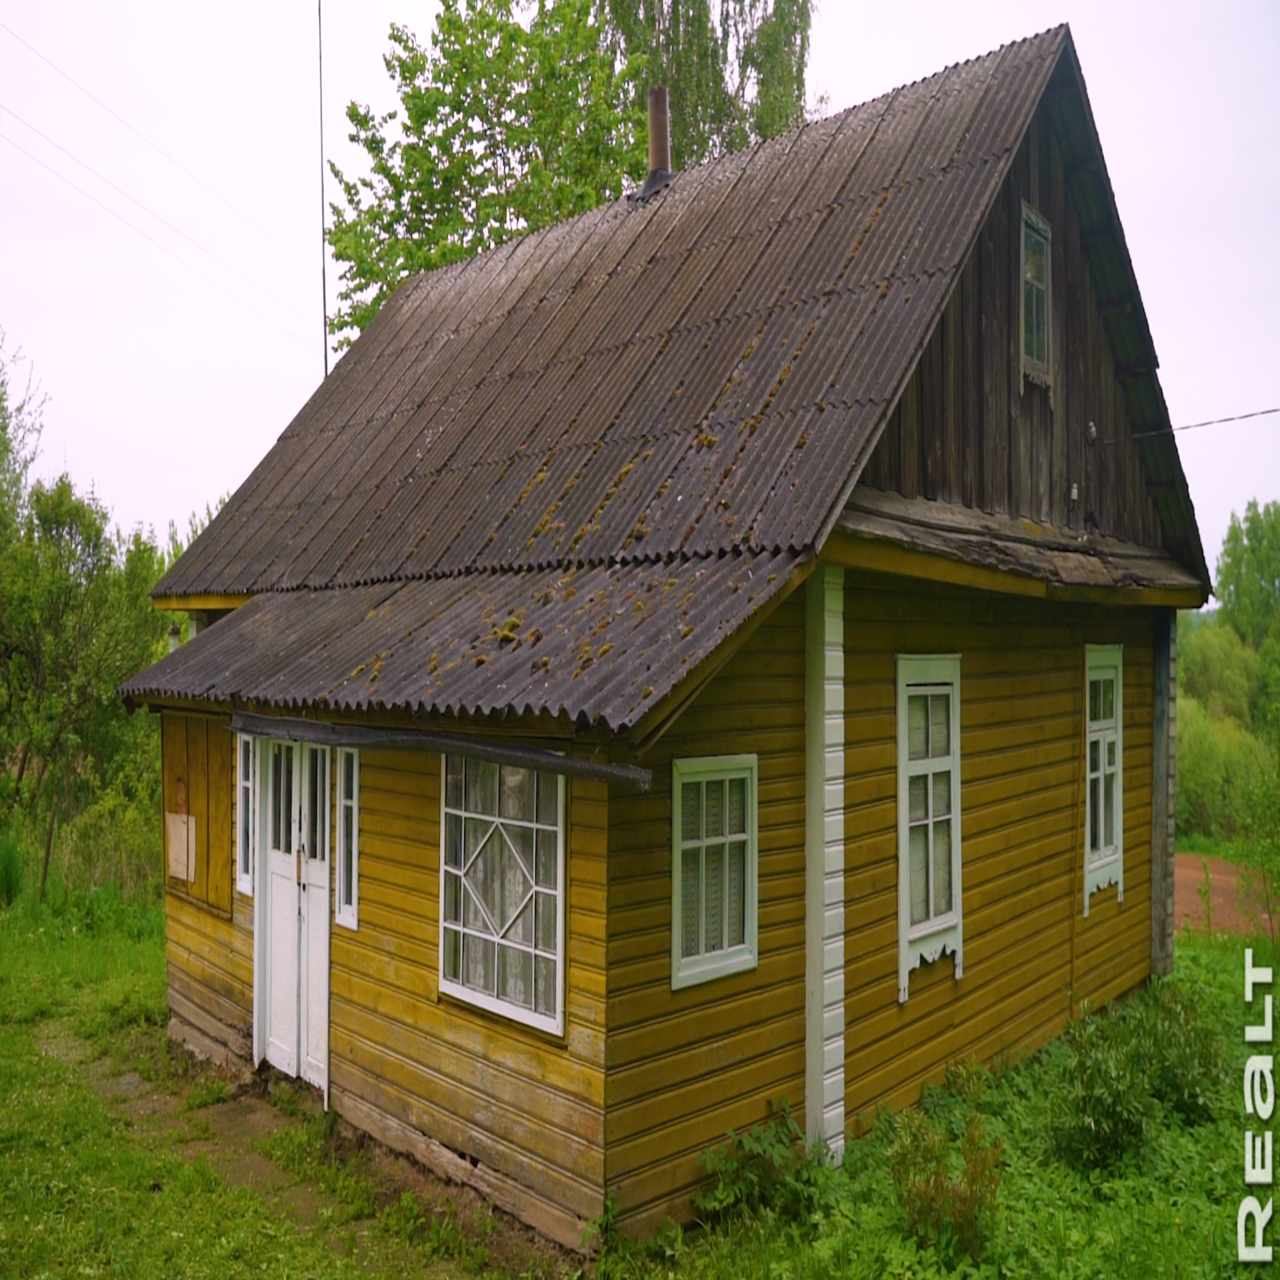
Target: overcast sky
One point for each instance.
(173, 314)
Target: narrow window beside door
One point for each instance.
(246, 826)
(713, 868)
(1104, 772)
(282, 797)
(346, 907)
(502, 890)
(930, 920)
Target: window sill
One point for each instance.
(511, 1012)
(692, 972)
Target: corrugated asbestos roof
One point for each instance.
(685, 377)
(596, 643)
(684, 390)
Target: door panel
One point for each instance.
(282, 912)
(314, 980)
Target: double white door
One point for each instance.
(293, 981)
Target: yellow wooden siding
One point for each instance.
(208, 926)
(1026, 942)
(524, 1103)
(685, 1066)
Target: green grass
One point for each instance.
(81, 1195)
(1168, 1209)
(1210, 847)
(84, 1194)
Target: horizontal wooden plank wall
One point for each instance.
(968, 430)
(685, 1066)
(521, 1102)
(1026, 942)
(208, 926)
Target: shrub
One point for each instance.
(941, 1208)
(766, 1167)
(1183, 1053)
(1100, 1110)
(116, 839)
(10, 866)
(1217, 759)
(1218, 670)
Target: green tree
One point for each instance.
(77, 620)
(1249, 573)
(735, 70)
(502, 129)
(1217, 668)
(518, 115)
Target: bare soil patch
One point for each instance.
(1233, 900)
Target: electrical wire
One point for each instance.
(156, 148)
(217, 284)
(222, 262)
(1191, 426)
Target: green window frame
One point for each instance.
(714, 868)
(1035, 309)
(930, 915)
(1104, 770)
(502, 889)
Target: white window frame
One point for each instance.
(246, 802)
(928, 940)
(690, 970)
(481, 1000)
(346, 913)
(1108, 868)
(1037, 370)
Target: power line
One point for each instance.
(1192, 426)
(148, 210)
(324, 284)
(155, 147)
(217, 284)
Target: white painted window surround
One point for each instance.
(346, 904)
(930, 916)
(713, 868)
(824, 826)
(1104, 770)
(246, 813)
(502, 889)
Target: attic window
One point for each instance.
(1036, 309)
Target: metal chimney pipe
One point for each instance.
(659, 131)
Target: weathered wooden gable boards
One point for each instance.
(685, 1066)
(523, 1102)
(1026, 941)
(969, 430)
(208, 925)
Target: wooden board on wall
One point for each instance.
(1022, 446)
(1027, 943)
(684, 1066)
(526, 1104)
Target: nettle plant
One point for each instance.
(947, 1187)
(1156, 1050)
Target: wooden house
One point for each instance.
(714, 650)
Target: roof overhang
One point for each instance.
(917, 538)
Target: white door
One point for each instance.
(295, 985)
(313, 982)
(281, 978)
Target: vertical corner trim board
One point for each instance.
(824, 858)
(1163, 791)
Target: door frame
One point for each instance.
(261, 901)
